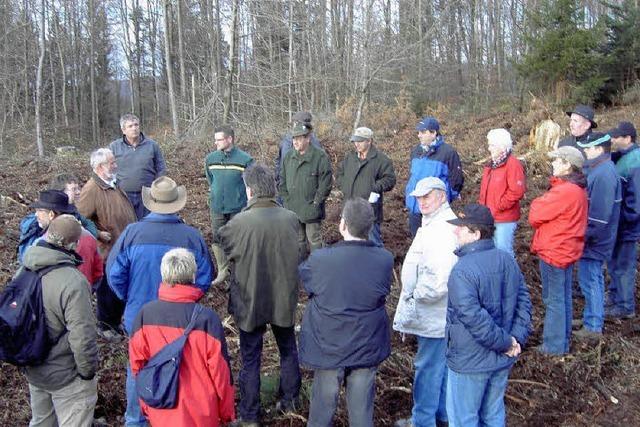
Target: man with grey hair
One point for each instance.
(262, 245)
(422, 306)
(109, 208)
(139, 159)
(63, 389)
(206, 394)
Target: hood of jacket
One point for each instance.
(44, 254)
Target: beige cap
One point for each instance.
(362, 134)
(570, 154)
(64, 229)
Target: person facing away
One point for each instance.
(140, 161)
(488, 322)
(134, 261)
(345, 329)
(502, 187)
(64, 389)
(422, 306)
(205, 390)
(559, 221)
(367, 172)
(263, 248)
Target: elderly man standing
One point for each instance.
(223, 169)
(367, 173)
(488, 322)
(431, 157)
(263, 247)
(140, 161)
(581, 124)
(605, 194)
(134, 261)
(109, 208)
(347, 285)
(422, 306)
(64, 388)
(286, 144)
(305, 183)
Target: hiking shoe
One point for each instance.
(588, 335)
(242, 423)
(577, 323)
(110, 335)
(617, 313)
(284, 406)
(404, 422)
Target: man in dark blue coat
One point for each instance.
(605, 194)
(488, 322)
(345, 330)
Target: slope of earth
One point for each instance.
(594, 385)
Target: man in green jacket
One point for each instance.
(305, 183)
(63, 388)
(367, 173)
(223, 169)
(264, 249)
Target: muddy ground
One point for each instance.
(597, 384)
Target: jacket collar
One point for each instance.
(261, 202)
(157, 217)
(354, 243)
(628, 150)
(101, 182)
(373, 152)
(590, 164)
(179, 293)
(307, 154)
(433, 147)
(230, 152)
(477, 246)
(428, 219)
(140, 142)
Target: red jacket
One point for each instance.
(92, 264)
(206, 394)
(559, 218)
(502, 188)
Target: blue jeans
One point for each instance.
(415, 222)
(476, 399)
(135, 197)
(503, 236)
(429, 383)
(592, 285)
(360, 384)
(133, 416)
(249, 378)
(556, 295)
(622, 269)
(375, 235)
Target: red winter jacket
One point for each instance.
(502, 188)
(559, 218)
(206, 393)
(92, 264)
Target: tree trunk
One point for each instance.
(183, 74)
(92, 74)
(41, 45)
(228, 93)
(167, 56)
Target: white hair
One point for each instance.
(500, 138)
(99, 157)
(178, 266)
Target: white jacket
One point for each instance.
(422, 307)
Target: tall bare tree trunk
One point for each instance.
(41, 45)
(183, 74)
(169, 67)
(92, 74)
(228, 93)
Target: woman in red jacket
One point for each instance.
(502, 187)
(205, 393)
(559, 218)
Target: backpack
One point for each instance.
(157, 382)
(24, 338)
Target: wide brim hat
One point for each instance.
(54, 200)
(164, 196)
(586, 112)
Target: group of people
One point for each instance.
(463, 295)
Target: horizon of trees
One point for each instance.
(69, 69)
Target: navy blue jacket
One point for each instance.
(628, 167)
(440, 160)
(605, 194)
(345, 324)
(134, 261)
(488, 304)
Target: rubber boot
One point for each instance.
(222, 264)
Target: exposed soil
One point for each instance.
(597, 384)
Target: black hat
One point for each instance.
(623, 129)
(54, 200)
(586, 112)
(474, 214)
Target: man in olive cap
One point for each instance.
(581, 124)
(286, 143)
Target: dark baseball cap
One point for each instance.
(584, 111)
(474, 214)
(623, 129)
(428, 123)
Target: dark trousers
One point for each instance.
(415, 222)
(249, 380)
(135, 197)
(109, 307)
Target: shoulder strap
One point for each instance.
(197, 309)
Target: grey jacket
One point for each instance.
(139, 166)
(67, 304)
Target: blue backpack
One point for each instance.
(157, 383)
(24, 338)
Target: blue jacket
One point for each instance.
(628, 167)
(440, 160)
(133, 267)
(345, 324)
(605, 194)
(488, 304)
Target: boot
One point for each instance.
(222, 264)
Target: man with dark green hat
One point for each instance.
(305, 183)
